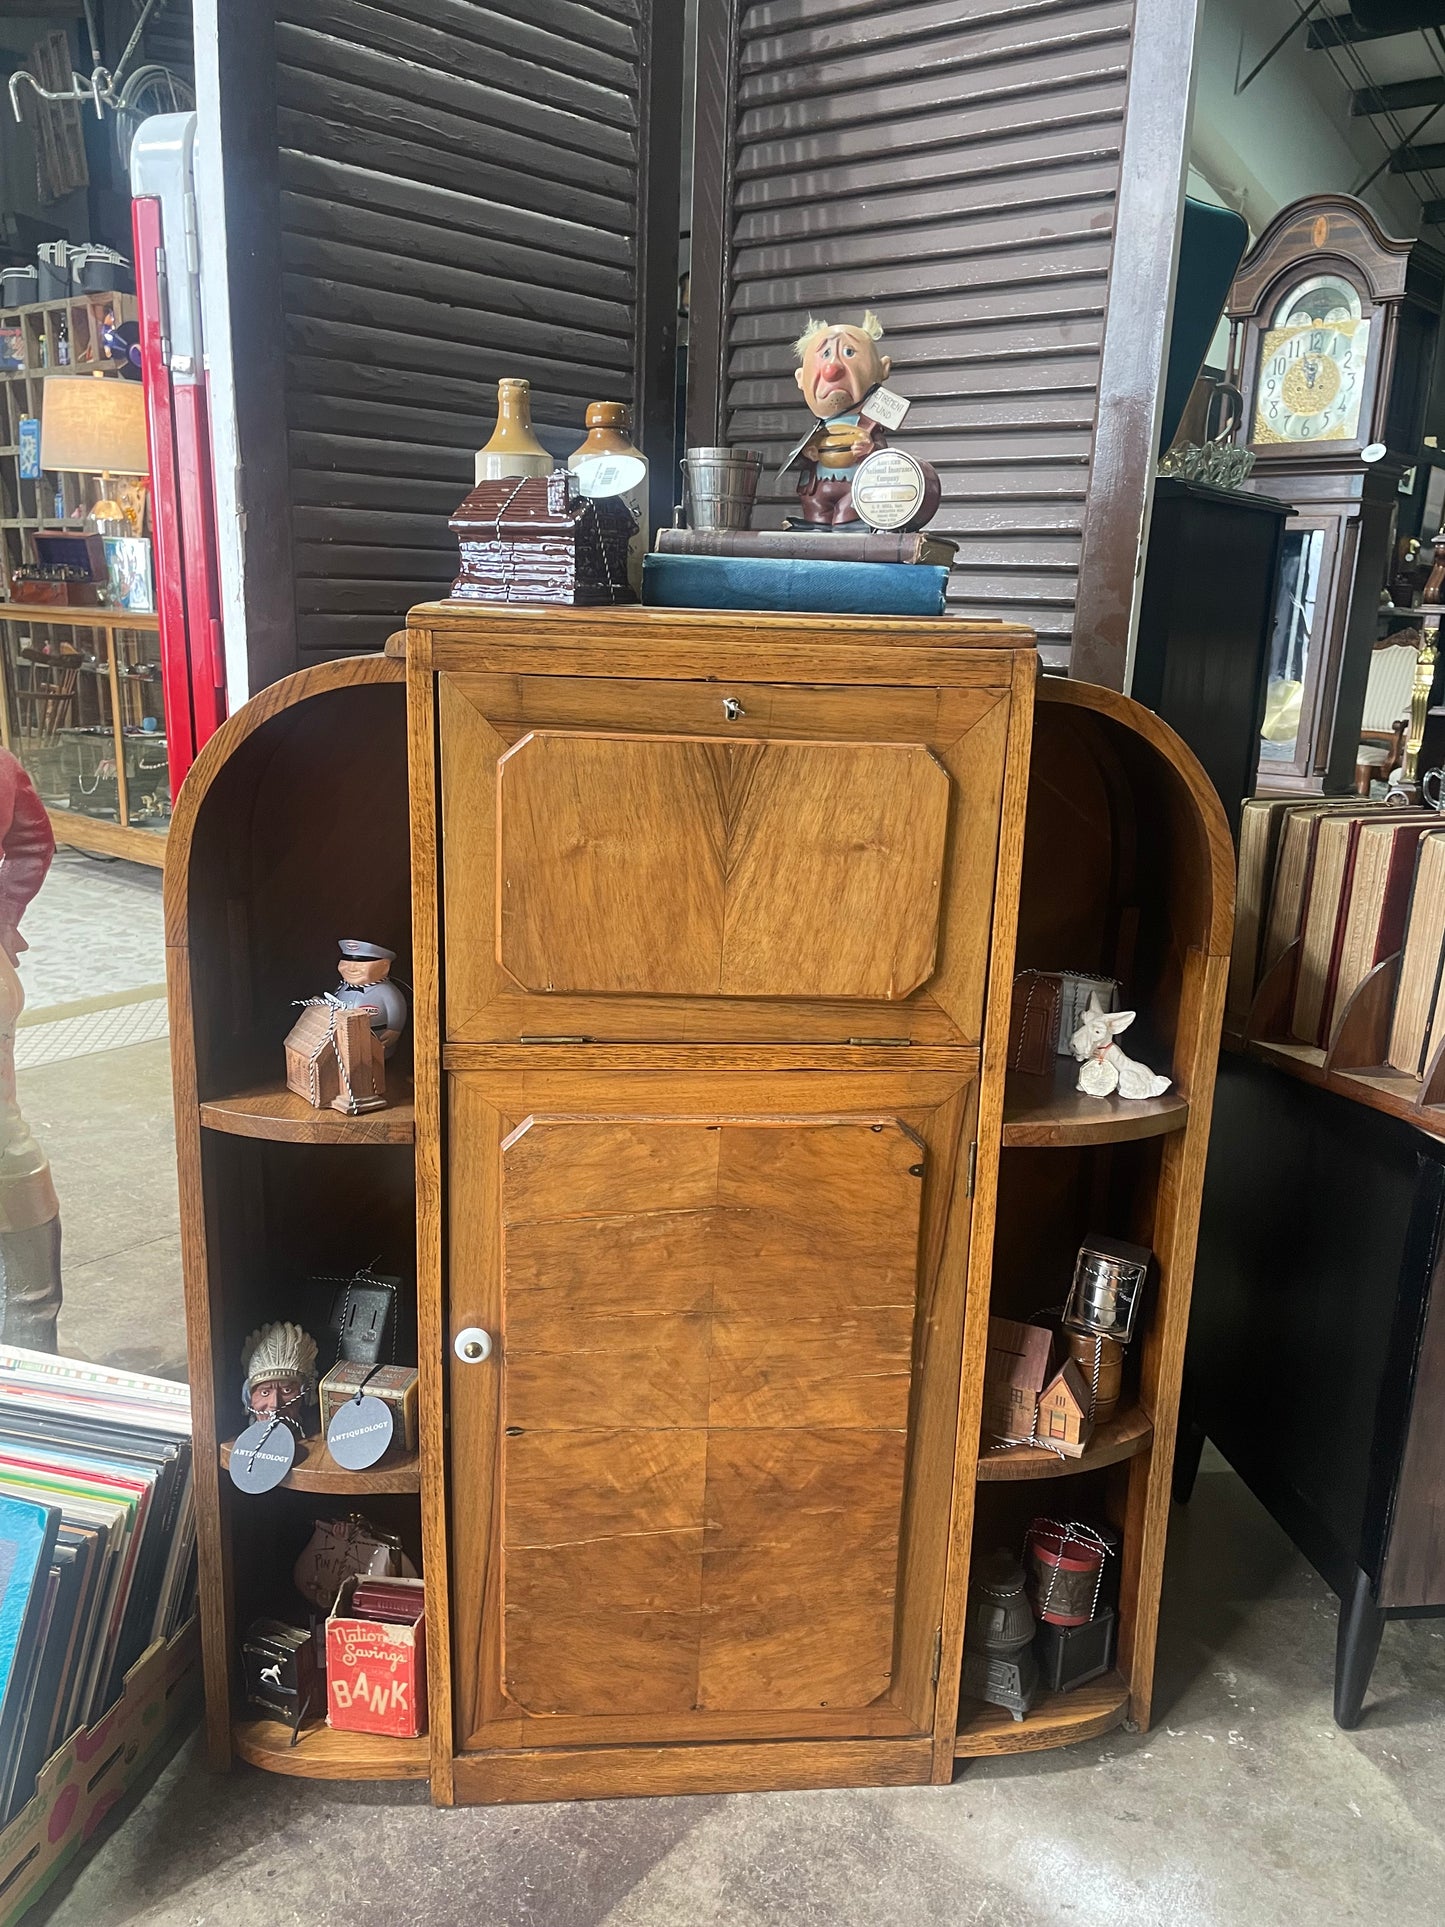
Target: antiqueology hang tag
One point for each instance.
(360, 1432)
(262, 1456)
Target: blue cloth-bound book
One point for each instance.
(796, 587)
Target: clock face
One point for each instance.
(1312, 361)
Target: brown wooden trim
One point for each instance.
(1136, 341)
(711, 258)
(103, 838)
(1007, 890)
(431, 1305)
(74, 618)
(617, 1772)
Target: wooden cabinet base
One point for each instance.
(621, 1772)
(323, 1754)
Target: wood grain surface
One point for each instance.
(720, 1296)
(703, 1479)
(1055, 1719)
(624, 1772)
(272, 1111)
(1122, 1437)
(703, 867)
(315, 1470)
(643, 863)
(324, 1754)
(1050, 1110)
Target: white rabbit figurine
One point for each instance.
(1103, 1067)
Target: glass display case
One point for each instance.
(81, 706)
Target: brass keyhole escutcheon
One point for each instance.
(732, 709)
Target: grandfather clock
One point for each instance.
(1334, 327)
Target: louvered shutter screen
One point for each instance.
(956, 168)
(460, 200)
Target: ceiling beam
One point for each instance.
(1416, 160)
(1341, 29)
(1428, 91)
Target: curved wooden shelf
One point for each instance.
(1048, 1113)
(271, 1111)
(1057, 1719)
(321, 1753)
(1124, 1436)
(316, 1471)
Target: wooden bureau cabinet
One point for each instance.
(715, 900)
(710, 1165)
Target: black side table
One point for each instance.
(1316, 1357)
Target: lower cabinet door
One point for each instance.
(699, 1486)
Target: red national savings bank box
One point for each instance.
(375, 1674)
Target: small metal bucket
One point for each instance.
(721, 485)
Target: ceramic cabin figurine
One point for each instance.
(1103, 1067)
(539, 540)
(335, 1059)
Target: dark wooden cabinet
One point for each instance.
(1316, 1358)
(1211, 584)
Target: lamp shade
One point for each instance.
(95, 424)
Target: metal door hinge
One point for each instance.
(893, 1043)
(937, 1654)
(972, 1165)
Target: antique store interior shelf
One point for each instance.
(1354, 1065)
(1043, 1111)
(322, 1753)
(1123, 1437)
(316, 1471)
(1056, 1719)
(272, 1111)
(1127, 872)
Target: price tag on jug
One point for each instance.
(601, 476)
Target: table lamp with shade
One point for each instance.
(95, 425)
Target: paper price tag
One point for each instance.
(886, 407)
(262, 1456)
(601, 476)
(360, 1433)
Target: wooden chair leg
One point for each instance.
(1356, 1646)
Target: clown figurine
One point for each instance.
(841, 368)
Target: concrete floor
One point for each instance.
(1244, 1805)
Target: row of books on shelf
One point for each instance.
(1341, 887)
(97, 1545)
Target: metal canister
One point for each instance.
(721, 485)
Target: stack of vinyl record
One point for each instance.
(97, 1545)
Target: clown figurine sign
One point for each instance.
(842, 375)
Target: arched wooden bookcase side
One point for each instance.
(1128, 871)
(290, 831)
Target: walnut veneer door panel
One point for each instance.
(704, 867)
(621, 863)
(716, 1427)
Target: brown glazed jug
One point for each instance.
(513, 449)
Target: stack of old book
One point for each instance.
(1328, 891)
(801, 571)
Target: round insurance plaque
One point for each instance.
(359, 1433)
(890, 490)
(262, 1455)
